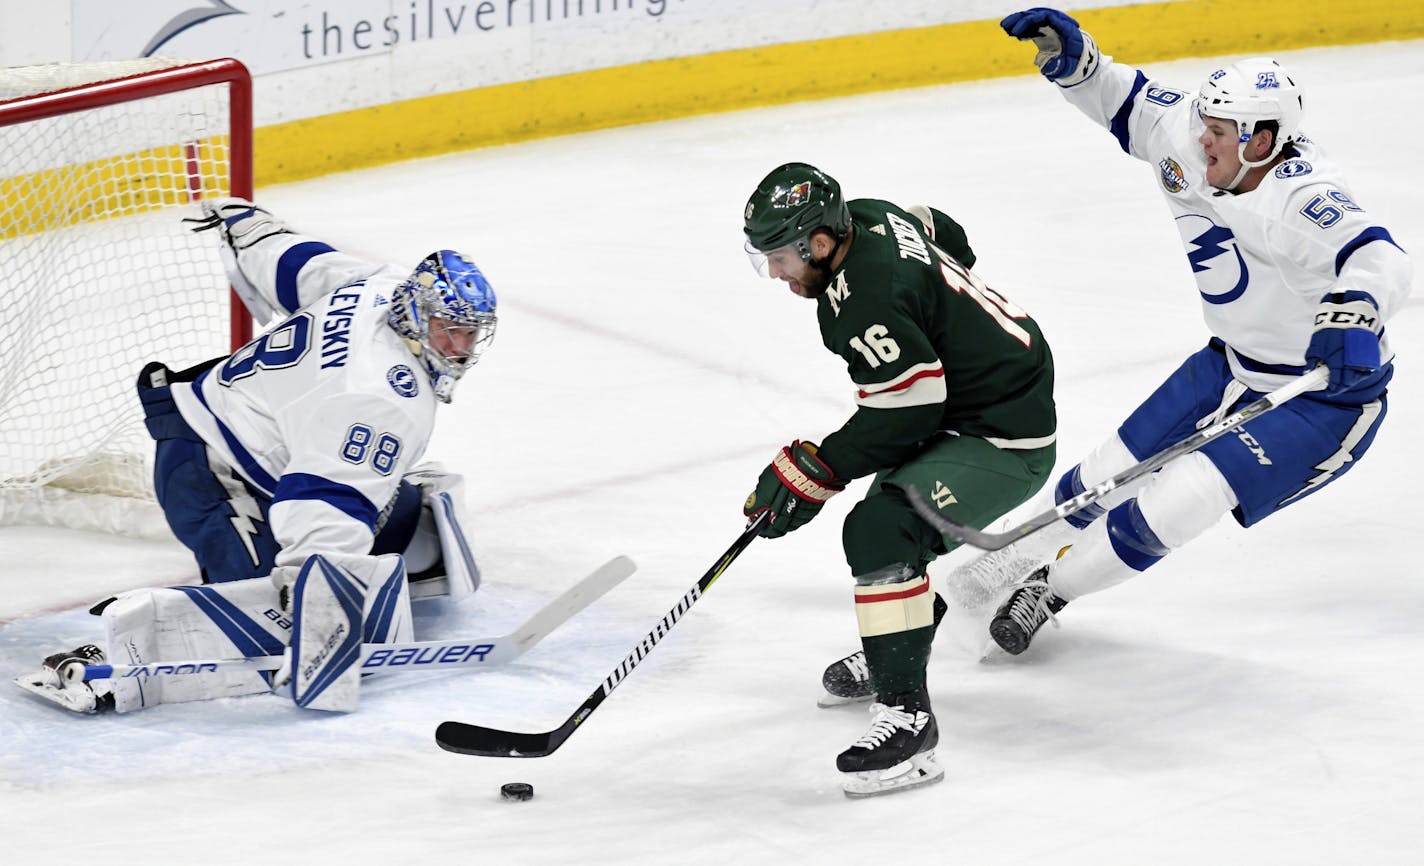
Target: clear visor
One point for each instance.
(782, 260)
(1199, 116)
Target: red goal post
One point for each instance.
(99, 163)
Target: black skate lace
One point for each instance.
(855, 663)
(1030, 605)
(887, 721)
(88, 653)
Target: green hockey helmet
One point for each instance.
(791, 203)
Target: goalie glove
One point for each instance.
(1346, 339)
(1066, 55)
(242, 225)
(240, 222)
(793, 488)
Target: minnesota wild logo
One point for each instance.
(798, 193)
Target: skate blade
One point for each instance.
(992, 653)
(976, 583)
(917, 772)
(43, 684)
(828, 700)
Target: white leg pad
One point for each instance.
(338, 602)
(443, 494)
(226, 620)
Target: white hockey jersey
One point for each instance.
(1262, 259)
(326, 410)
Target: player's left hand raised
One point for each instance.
(1346, 339)
(793, 488)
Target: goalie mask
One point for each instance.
(445, 312)
(1248, 93)
(787, 206)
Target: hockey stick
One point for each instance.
(998, 540)
(468, 739)
(423, 655)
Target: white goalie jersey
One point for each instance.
(1262, 259)
(326, 410)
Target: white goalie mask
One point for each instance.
(445, 312)
(1248, 92)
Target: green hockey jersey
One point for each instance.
(929, 347)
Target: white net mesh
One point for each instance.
(98, 275)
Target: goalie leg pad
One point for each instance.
(148, 626)
(441, 544)
(339, 601)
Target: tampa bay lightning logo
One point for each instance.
(1293, 168)
(402, 379)
(1216, 259)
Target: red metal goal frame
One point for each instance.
(155, 83)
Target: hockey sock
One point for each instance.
(896, 626)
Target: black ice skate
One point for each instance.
(60, 680)
(1023, 613)
(898, 750)
(848, 681)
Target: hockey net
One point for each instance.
(99, 162)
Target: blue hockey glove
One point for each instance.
(1066, 55)
(1346, 339)
(793, 488)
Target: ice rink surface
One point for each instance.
(1253, 699)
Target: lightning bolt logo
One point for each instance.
(1332, 466)
(1207, 246)
(246, 515)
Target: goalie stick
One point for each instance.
(467, 739)
(423, 655)
(998, 540)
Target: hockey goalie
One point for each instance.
(292, 470)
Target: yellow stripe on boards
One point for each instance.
(823, 69)
(115, 186)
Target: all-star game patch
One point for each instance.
(1173, 178)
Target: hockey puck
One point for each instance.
(517, 791)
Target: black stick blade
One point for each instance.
(467, 739)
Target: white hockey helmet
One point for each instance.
(1251, 91)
